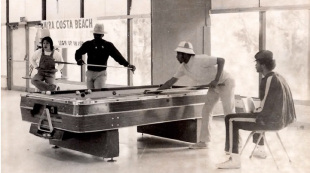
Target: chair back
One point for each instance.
(244, 104)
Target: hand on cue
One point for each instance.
(132, 68)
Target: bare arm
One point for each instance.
(33, 60)
(220, 67)
(168, 84)
(58, 57)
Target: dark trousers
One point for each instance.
(44, 81)
(244, 121)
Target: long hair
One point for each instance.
(49, 40)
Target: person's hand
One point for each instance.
(37, 68)
(132, 67)
(214, 83)
(80, 62)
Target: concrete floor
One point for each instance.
(23, 152)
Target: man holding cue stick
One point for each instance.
(98, 51)
(206, 71)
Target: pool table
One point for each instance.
(88, 120)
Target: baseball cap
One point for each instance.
(263, 56)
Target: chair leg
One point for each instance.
(283, 146)
(247, 140)
(265, 140)
(260, 137)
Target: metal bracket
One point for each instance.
(49, 120)
(13, 26)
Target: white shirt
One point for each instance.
(202, 69)
(37, 56)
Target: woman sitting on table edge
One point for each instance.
(44, 80)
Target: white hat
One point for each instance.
(99, 29)
(185, 47)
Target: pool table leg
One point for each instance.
(102, 144)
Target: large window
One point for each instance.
(287, 36)
(235, 37)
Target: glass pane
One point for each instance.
(283, 2)
(19, 71)
(142, 51)
(117, 34)
(33, 10)
(18, 44)
(3, 13)
(3, 51)
(16, 10)
(100, 8)
(287, 37)
(141, 7)
(235, 38)
(224, 4)
(115, 7)
(62, 9)
(71, 72)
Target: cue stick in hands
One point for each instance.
(181, 88)
(94, 65)
(197, 87)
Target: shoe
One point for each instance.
(199, 145)
(260, 152)
(233, 162)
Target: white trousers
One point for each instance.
(95, 79)
(227, 95)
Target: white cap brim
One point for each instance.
(98, 32)
(185, 50)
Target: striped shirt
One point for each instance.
(277, 105)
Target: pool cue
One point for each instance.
(181, 88)
(193, 87)
(29, 78)
(197, 87)
(94, 65)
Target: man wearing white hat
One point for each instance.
(98, 51)
(204, 69)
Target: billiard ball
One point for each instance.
(42, 92)
(48, 92)
(83, 94)
(89, 91)
(77, 92)
(114, 93)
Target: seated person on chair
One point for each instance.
(276, 110)
(205, 69)
(45, 78)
